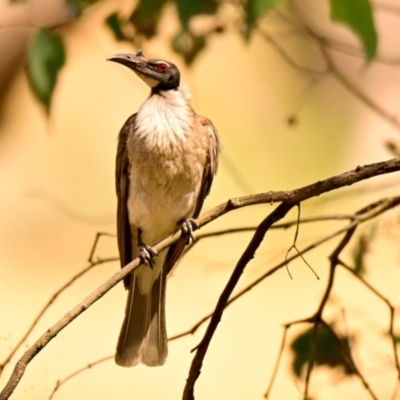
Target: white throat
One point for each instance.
(166, 118)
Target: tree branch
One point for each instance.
(195, 369)
(373, 210)
(288, 199)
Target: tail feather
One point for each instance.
(143, 336)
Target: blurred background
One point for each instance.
(278, 95)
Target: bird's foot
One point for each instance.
(187, 229)
(147, 254)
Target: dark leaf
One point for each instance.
(357, 15)
(327, 351)
(360, 250)
(146, 16)
(188, 45)
(190, 8)
(254, 9)
(359, 254)
(46, 56)
(114, 22)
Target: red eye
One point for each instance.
(162, 67)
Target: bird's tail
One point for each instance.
(143, 336)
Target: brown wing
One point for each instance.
(210, 169)
(122, 187)
(211, 166)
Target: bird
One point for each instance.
(167, 157)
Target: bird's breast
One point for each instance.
(165, 178)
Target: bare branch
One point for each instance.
(201, 350)
(391, 312)
(288, 199)
(371, 211)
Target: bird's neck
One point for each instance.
(165, 118)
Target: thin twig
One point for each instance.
(278, 361)
(311, 358)
(283, 225)
(77, 372)
(294, 246)
(95, 244)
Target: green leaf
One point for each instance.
(255, 9)
(327, 351)
(146, 16)
(357, 15)
(190, 8)
(113, 21)
(46, 56)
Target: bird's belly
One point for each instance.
(162, 194)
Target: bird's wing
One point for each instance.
(122, 187)
(211, 165)
(210, 169)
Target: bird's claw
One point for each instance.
(187, 229)
(147, 254)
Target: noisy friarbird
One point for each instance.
(167, 157)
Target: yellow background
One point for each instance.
(57, 191)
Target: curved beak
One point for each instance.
(133, 61)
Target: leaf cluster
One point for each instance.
(47, 53)
(326, 348)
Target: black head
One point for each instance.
(157, 74)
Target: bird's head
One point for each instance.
(157, 74)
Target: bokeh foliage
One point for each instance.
(47, 54)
